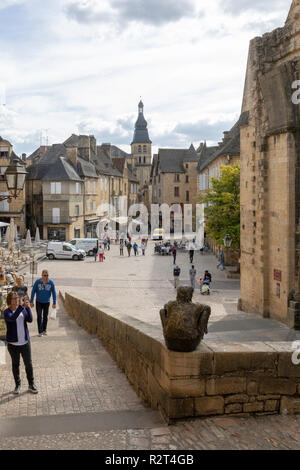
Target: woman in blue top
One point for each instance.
(16, 317)
(43, 288)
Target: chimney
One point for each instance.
(72, 155)
(107, 148)
(43, 149)
(24, 157)
(226, 136)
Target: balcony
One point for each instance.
(57, 220)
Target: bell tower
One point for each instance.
(141, 148)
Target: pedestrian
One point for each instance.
(174, 253)
(221, 261)
(108, 243)
(95, 251)
(105, 243)
(101, 254)
(176, 274)
(121, 247)
(43, 288)
(135, 248)
(20, 288)
(143, 247)
(193, 273)
(16, 316)
(207, 278)
(191, 253)
(129, 246)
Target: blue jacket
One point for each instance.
(11, 323)
(43, 291)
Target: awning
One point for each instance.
(92, 221)
(3, 224)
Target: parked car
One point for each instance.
(158, 234)
(63, 250)
(86, 244)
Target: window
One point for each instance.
(145, 148)
(187, 196)
(177, 178)
(88, 187)
(140, 149)
(55, 188)
(94, 187)
(187, 165)
(4, 152)
(140, 159)
(186, 178)
(101, 183)
(144, 159)
(67, 248)
(78, 188)
(76, 232)
(88, 206)
(176, 191)
(55, 215)
(94, 206)
(76, 211)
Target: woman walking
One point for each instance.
(16, 316)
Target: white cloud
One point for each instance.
(89, 75)
(8, 3)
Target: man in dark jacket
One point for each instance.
(176, 274)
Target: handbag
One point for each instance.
(53, 314)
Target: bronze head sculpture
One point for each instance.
(184, 323)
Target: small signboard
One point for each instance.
(277, 275)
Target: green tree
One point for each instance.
(222, 215)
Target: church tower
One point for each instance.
(141, 148)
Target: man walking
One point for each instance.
(135, 248)
(191, 253)
(129, 246)
(193, 273)
(43, 288)
(143, 247)
(121, 248)
(222, 261)
(174, 253)
(95, 251)
(176, 273)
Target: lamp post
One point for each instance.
(227, 240)
(15, 179)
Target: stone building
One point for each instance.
(17, 207)
(174, 177)
(270, 175)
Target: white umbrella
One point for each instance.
(28, 238)
(11, 238)
(37, 236)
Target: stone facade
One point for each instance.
(216, 379)
(174, 178)
(270, 171)
(16, 208)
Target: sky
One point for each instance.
(81, 66)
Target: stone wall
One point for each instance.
(216, 379)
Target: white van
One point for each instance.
(86, 244)
(62, 250)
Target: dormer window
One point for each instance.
(4, 151)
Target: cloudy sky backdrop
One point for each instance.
(80, 66)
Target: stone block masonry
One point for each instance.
(235, 379)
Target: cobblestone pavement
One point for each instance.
(86, 402)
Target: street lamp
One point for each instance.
(227, 241)
(15, 179)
